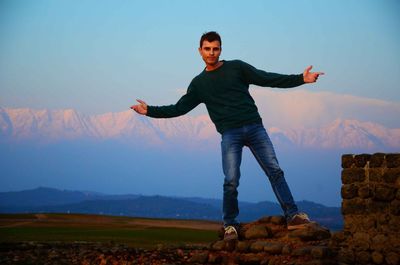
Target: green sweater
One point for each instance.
(225, 92)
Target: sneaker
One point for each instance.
(299, 220)
(230, 233)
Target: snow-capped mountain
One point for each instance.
(48, 126)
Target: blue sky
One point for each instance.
(99, 56)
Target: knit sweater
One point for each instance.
(225, 92)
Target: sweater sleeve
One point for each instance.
(258, 77)
(185, 104)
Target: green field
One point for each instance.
(135, 232)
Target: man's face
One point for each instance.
(210, 52)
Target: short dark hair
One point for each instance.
(210, 36)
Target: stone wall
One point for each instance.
(371, 209)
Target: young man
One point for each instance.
(223, 86)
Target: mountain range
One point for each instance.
(51, 200)
(48, 126)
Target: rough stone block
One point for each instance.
(394, 240)
(363, 257)
(395, 207)
(376, 160)
(303, 251)
(384, 193)
(361, 160)
(286, 250)
(264, 220)
(392, 160)
(352, 175)
(346, 256)
(310, 233)
(377, 257)
(320, 252)
(214, 258)
(258, 246)
(273, 248)
(249, 258)
(368, 222)
(377, 206)
(354, 206)
(219, 245)
(361, 241)
(278, 220)
(257, 231)
(379, 242)
(375, 174)
(365, 191)
(391, 175)
(199, 257)
(243, 246)
(347, 160)
(349, 191)
(392, 258)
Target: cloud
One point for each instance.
(303, 108)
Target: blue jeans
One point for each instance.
(256, 138)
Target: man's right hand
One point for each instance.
(140, 108)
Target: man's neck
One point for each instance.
(214, 66)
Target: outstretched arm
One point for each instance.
(310, 77)
(185, 104)
(140, 108)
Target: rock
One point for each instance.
(375, 174)
(384, 193)
(214, 258)
(392, 160)
(352, 175)
(199, 257)
(320, 252)
(303, 251)
(364, 191)
(379, 242)
(361, 160)
(311, 232)
(392, 258)
(363, 257)
(376, 160)
(347, 160)
(257, 231)
(286, 250)
(258, 246)
(273, 248)
(264, 220)
(219, 245)
(230, 245)
(391, 175)
(278, 220)
(243, 246)
(353, 206)
(377, 257)
(180, 252)
(395, 207)
(361, 241)
(346, 256)
(349, 191)
(249, 259)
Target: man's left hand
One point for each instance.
(311, 77)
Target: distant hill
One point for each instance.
(48, 200)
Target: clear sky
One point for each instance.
(99, 56)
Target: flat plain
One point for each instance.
(134, 232)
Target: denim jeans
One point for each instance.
(256, 138)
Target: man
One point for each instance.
(223, 86)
